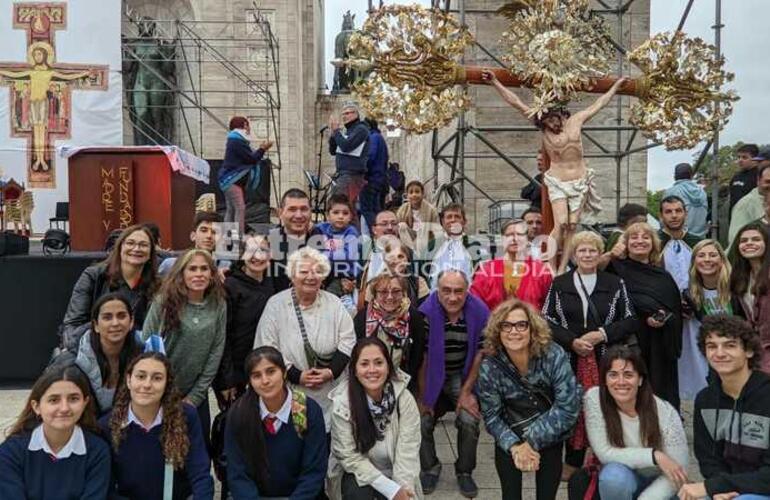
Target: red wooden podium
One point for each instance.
(115, 187)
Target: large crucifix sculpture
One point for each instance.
(41, 89)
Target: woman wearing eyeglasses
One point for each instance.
(529, 398)
(391, 317)
(587, 310)
(515, 274)
(130, 269)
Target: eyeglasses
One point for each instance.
(519, 326)
(142, 245)
(384, 292)
(387, 224)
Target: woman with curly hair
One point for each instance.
(153, 433)
(657, 302)
(53, 450)
(275, 438)
(708, 293)
(130, 269)
(529, 398)
(190, 315)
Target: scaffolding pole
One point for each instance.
(210, 46)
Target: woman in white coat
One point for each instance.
(310, 327)
(375, 430)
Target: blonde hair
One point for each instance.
(385, 277)
(723, 283)
(539, 331)
(656, 254)
(586, 238)
(308, 253)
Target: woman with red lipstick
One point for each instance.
(190, 315)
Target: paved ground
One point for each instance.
(12, 401)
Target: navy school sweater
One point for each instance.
(34, 475)
(138, 466)
(297, 466)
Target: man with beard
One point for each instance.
(676, 241)
(570, 183)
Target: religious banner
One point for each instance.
(58, 85)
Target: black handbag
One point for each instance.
(519, 413)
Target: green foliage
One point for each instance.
(653, 202)
(727, 163)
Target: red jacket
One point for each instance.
(488, 283)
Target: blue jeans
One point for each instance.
(618, 482)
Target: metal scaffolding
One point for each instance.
(452, 151)
(220, 69)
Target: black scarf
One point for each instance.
(382, 410)
(652, 288)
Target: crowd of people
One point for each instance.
(332, 357)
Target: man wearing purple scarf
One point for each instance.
(456, 321)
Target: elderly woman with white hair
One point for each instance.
(588, 310)
(310, 327)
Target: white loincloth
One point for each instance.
(581, 194)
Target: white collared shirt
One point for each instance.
(132, 418)
(283, 414)
(76, 443)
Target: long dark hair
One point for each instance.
(149, 280)
(130, 346)
(174, 291)
(245, 420)
(174, 440)
(364, 432)
(741, 275)
(28, 419)
(646, 408)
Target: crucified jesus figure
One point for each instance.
(571, 189)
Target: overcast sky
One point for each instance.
(745, 45)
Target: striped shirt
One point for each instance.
(456, 346)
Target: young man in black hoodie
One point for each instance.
(731, 423)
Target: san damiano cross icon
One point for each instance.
(41, 89)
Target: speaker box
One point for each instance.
(13, 244)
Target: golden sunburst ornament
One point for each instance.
(415, 52)
(557, 47)
(682, 102)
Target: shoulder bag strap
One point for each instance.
(592, 311)
(310, 354)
